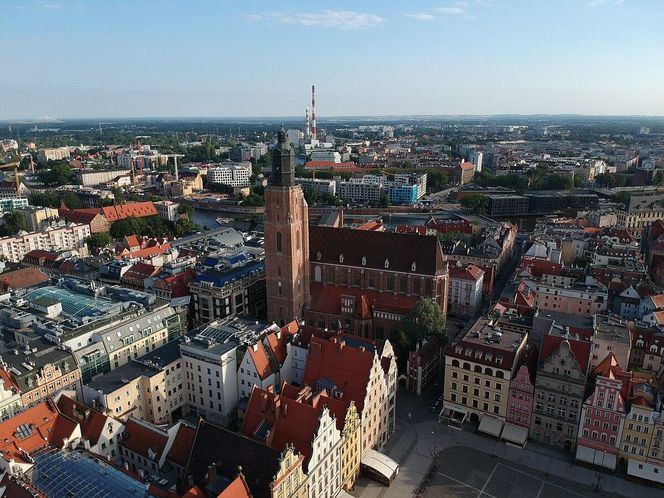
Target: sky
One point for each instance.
(237, 58)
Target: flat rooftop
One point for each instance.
(487, 332)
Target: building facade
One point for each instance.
(559, 391)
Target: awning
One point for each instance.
(598, 458)
(453, 415)
(515, 434)
(491, 425)
(645, 470)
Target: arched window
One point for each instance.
(466, 366)
(317, 274)
(488, 371)
(478, 369)
(278, 241)
(455, 363)
(500, 374)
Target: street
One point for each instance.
(474, 465)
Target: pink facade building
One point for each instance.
(522, 392)
(602, 416)
(520, 402)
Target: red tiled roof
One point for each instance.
(277, 344)
(41, 254)
(580, 350)
(140, 438)
(370, 225)
(92, 422)
(236, 489)
(182, 443)
(195, 492)
(292, 422)
(347, 367)
(466, 166)
(131, 241)
(332, 166)
(122, 211)
(19, 279)
(260, 359)
(140, 271)
(85, 215)
(470, 272)
(147, 252)
(327, 299)
(40, 419)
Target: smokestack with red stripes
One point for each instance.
(313, 112)
(306, 122)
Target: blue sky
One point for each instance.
(121, 58)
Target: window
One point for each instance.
(279, 249)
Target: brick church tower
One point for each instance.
(286, 239)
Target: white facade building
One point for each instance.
(324, 469)
(320, 185)
(55, 154)
(325, 155)
(168, 210)
(71, 236)
(233, 174)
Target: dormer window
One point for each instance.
(364, 261)
(413, 267)
(387, 263)
(341, 258)
(318, 256)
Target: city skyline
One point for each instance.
(231, 59)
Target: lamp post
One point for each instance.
(599, 474)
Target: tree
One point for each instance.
(71, 200)
(59, 174)
(13, 222)
(101, 239)
(118, 194)
(425, 321)
(311, 196)
(476, 203)
(384, 201)
(186, 210)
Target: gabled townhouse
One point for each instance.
(559, 390)
(157, 453)
(642, 442)
(354, 369)
(521, 399)
(100, 434)
(602, 415)
(305, 422)
(647, 350)
(269, 473)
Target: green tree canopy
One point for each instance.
(476, 203)
(13, 222)
(101, 239)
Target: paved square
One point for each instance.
(464, 473)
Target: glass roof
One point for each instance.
(78, 475)
(74, 305)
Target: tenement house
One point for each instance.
(478, 370)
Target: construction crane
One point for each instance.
(17, 179)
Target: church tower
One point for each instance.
(286, 239)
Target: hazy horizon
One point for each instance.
(257, 59)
